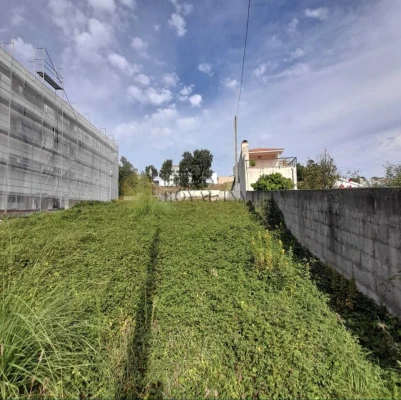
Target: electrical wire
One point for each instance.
(243, 59)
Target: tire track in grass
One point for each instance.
(133, 385)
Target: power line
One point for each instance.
(243, 59)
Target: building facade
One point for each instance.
(50, 155)
(262, 161)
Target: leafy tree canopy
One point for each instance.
(273, 182)
(127, 176)
(195, 169)
(166, 170)
(321, 174)
(392, 174)
(151, 172)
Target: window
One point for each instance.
(45, 107)
(20, 89)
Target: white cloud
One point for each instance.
(293, 72)
(163, 115)
(161, 127)
(184, 9)
(292, 26)
(231, 83)
(188, 124)
(156, 27)
(140, 46)
(149, 96)
(121, 63)
(195, 100)
(297, 53)
(171, 79)
(88, 44)
(69, 18)
(142, 79)
(17, 15)
(258, 72)
(187, 8)
(105, 5)
(206, 68)
(129, 3)
(23, 51)
(185, 92)
(177, 23)
(317, 13)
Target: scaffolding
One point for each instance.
(50, 155)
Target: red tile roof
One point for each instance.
(260, 149)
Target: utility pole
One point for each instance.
(235, 150)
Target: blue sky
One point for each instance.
(162, 75)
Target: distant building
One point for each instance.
(225, 179)
(262, 161)
(347, 184)
(171, 182)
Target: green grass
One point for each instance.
(182, 300)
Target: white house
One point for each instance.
(262, 161)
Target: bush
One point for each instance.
(273, 182)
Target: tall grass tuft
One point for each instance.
(47, 348)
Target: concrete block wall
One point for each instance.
(356, 231)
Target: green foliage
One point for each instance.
(195, 169)
(376, 330)
(127, 177)
(47, 345)
(274, 181)
(150, 172)
(300, 173)
(252, 163)
(166, 170)
(319, 175)
(392, 174)
(179, 300)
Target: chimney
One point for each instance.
(244, 149)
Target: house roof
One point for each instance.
(263, 149)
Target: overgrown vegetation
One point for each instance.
(178, 300)
(375, 329)
(321, 174)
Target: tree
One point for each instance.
(127, 176)
(392, 174)
(300, 172)
(354, 175)
(151, 172)
(184, 169)
(273, 182)
(195, 169)
(166, 171)
(321, 174)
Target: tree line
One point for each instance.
(194, 170)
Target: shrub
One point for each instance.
(273, 182)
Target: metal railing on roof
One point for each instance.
(285, 162)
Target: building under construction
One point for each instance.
(50, 155)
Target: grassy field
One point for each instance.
(177, 300)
